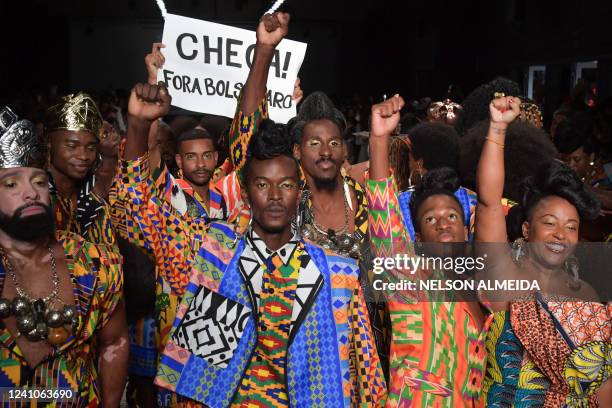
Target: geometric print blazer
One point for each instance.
(332, 359)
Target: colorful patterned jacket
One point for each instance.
(332, 359)
(437, 349)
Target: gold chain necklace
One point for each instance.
(35, 319)
(21, 292)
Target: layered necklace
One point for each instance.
(340, 241)
(36, 319)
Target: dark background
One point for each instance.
(416, 47)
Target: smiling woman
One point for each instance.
(538, 338)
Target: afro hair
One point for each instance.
(527, 148)
(476, 104)
(271, 140)
(436, 143)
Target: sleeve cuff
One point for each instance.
(135, 171)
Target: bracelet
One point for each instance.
(498, 130)
(495, 141)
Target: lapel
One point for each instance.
(218, 261)
(310, 283)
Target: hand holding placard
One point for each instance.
(154, 61)
(206, 64)
(272, 29)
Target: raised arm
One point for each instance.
(384, 217)
(271, 30)
(252, 108)
(490, 224)
(147, 103)
(385, 117)
(154, 61)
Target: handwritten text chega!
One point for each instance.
(207, 64)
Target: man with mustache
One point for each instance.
(333, 208)
(82, 163)
(285, 320)
(62, 318)
(166, 215)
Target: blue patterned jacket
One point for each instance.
(332, 359)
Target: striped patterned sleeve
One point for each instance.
(387, 233)
(243, 127)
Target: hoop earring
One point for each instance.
(518, 248)
(571, 267)
(411, 185)
(96, 164)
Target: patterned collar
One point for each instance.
(250, 266)
(88, 204)
(262, 252)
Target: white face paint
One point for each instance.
(111, 351)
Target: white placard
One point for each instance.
(208, 63)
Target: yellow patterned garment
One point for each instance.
(98, 280)
(548, 353)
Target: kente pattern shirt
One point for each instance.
(437, 348)
(97, 283)
(157, 213)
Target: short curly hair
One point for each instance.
(527, 148)
(443, 181)
(271, 140)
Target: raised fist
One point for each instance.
(505, 109)
(154, 61)
(272, 29)
(385, 117)
(149, 102)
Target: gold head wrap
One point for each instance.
(20, 145)
(75, 112)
